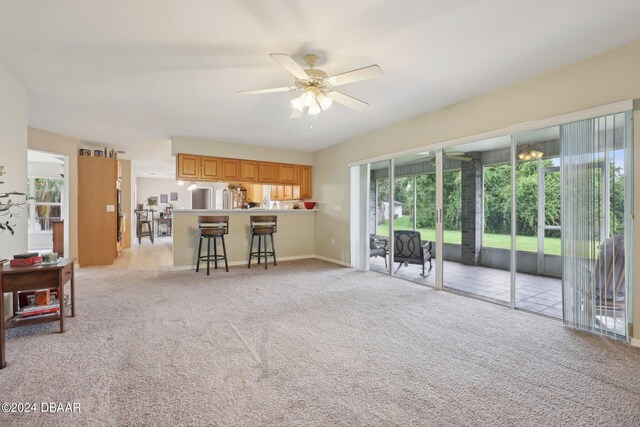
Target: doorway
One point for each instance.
(47, 209)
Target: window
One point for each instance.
(45, 203)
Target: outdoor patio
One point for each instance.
(535, 293)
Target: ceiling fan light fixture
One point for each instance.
(315, 109)
(297, 104)
(536, 154)
(324, 101)
(530, 154)
(308, 98)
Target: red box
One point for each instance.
(43, 297)
(26, 261)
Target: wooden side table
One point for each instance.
(166, 221)
(31, 278)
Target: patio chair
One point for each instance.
(378, 247)
(608, 275)
(410, 250)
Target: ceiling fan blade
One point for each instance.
(459, 158)
(296, 114)
(272, 90)
(353, 76)
(347, 100)
(290, 65)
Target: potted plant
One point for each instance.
(152, 201)
(8, 206)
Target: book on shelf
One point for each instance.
(35, 316)
(35, 313)
(32, 310)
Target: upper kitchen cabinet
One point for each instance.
(305, 181)
(288, 174)
(210, 168)
(269, 173)
(249, 171)
(188, 166)
(231, 170)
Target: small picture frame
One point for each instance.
(164, 198)
(84, 152)
(174, 196)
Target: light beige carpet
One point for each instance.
(309, 343)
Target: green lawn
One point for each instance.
(502, 241)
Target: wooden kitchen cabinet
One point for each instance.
(287, 174)
(193, 167)
(255, 193)
(249, 171)
(230, 170)
(188, 166)
(269, 173)
(277, 192)
(284, 192)
(288, 192)
(305, 181)
(210, 168)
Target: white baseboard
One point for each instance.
(235, 263)
(334, 261)
(635, 342)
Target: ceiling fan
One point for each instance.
(316, 85)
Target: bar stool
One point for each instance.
(142, 219)
(263, 226)
(212, 227)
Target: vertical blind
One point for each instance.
(596, 181)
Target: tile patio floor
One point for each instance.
(539, 294)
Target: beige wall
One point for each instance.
(294, 238)
(607, 78)
(239, 151)
(13, 156)
(148, 187)
(65, 146)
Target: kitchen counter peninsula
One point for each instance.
(295, 238)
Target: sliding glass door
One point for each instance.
(538, 278)
(414, 215)
(538, 220)
(477, 219)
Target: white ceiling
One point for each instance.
(131, 74)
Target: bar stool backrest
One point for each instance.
(217, 222)
(142, 214)
(264, 221)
